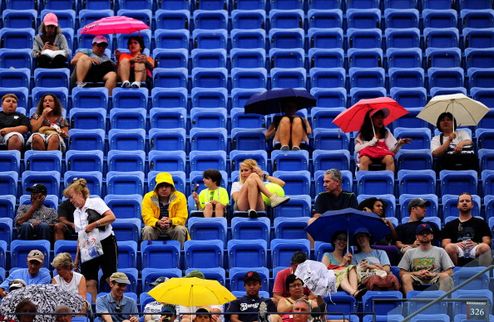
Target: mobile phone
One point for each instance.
(196, 187)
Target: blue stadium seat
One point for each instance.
(51, 179)
(450, 206)
(358, 93)
(87, 119)
(248, 19)
(172, 19)
(248, 38)
(416, 181)
(329, 97)
(166, 161)
(170, 77)
(478, 57)
(460, 307)
(330, 139)
(326, 18)
(363, 4)
(167, 118)
(327, 77)
(440, 18)
(90, 97)
(6, 228)
(486, 159)
(288, 77)
(19, 77)
(431, 318)
(421, 137)
(248, 139)
(240, 119)
(416, 159)
(365, 58)
(51, 201)
(210, 19)
(324, 4)
(375, 182)
(290, 160)
(440, 307)
(325, 38)
(204, 160)
(404, 57)
(172, 39)
(382, 318)
(478, 38)
(477, 4)
(286, 19)
(20, 248)
(135, 98)
(212, 5)
(66, 17)
(65, 246)
(210, 39)
(434, 91)
(406, 77)
(16, 38)
(249, 77)
(10, 160)
(364, 38)
(51, 77)
(167, 139)
(401, 17)
(160, 254)
(445, 77)
(328, 159)
(485, 138)
(216, 273)
(481, 77)
(237, 275)
(7, 203)
(474, 18)
(464, 318)
(127, 253)
(382, 308)
(94, 180)
(443, 57)
(436, 4)
(487, 177)
(203, 253)
(16, 58)
(247, 253)
(456, 182)
(169, 97)
(241, 95)
(320, 248)
(323, 117)
(128, 118)
(366, 77)
(298, 206)
(461, 274)
(248, 58)
(249, 229)
(84, 160)
(19, 18)
(86, 16)
(363, 18)
(207, 228)
(43, 160)
(150, 274)
(296, 182)
(125, 183)
(402, 38)
(126, 160)
(209, 78)
(341, 302)
(60, 4)
(441, 37)
(326, 58)
(237, 156)
(127, 139)
(128, 206)
(290, 228)
(127, 229)
(208, 139)
(207, 58)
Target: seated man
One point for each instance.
(93, 65)
(13, 125)
(65, 227)
(36, 221)
(115, 306)
(164, 211)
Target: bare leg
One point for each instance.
(364, 163)
(353, 278)
(389, 162)
(407, 283)
(110, 81)
(309, 237)
(139, 72)
(38, 143)
(208, 210)
(53, 143)
(284, 131)
(219, 210)
(124, 70)
(298, 133)
(82, 68)
(345, 286)
(92, 288)
(59, 231)
(484, 254)
(452, 251)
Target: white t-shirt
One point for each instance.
(72, 286)
(236, 186)
(80, 215)
(461, 135)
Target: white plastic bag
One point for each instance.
(89, 245)
(317, 277)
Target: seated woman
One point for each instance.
(453, 148)
(373, 266)
(134, 66)
(214, 199)
(48, 125)
(246, 192)
(289, 130)
(375, 143)
(67, 279)
(50, 46)
(339, 261)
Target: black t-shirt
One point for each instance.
(473, 228)
(250, 305)
(13, 120)
(326, 201)
(407, 233)
(66, 209)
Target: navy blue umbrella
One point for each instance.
(348, 220)
(277, 100)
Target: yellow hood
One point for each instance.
(164, 177)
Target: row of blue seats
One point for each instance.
(276, 18)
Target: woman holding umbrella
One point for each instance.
(452, 148)
(375, 143)
(134, 66)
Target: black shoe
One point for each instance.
(252, 214)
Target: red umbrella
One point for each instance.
(114, 25)
(352, 118)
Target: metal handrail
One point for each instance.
(425, 307)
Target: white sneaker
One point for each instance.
(277, 200)
(125, 84)
(136, 85)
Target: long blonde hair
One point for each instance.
(79, 185)
(248, 163)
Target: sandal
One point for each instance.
(360, 292)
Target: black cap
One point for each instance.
(168, 309)
(202, 311)
(38, 188)
(418, 202)
(423, 228)
(252, 277)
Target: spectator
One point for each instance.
(26, 311)
(93, 65)
(164, 211)
(340, 262)
(406, 233)
(168, 314)
(202, 315)
(30, 275)
(50, 46)
(304, 309)
(289, 130)
(248, 307)
(13, 125)
(78, 194)
(115, 306)
(426, 264)
(246, 192)
(63, 313)
(279, 288)
(295, 287)
(134, 66)
(373, 266)
(453, 148)
(153, 309)
(214, 199)
(35, 220)
(48, 125)
(65, 227)
(67, 279)
(375, 143)
(467, 237)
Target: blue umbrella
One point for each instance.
(349, 220)
(276, 100)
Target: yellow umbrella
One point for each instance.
(191, 291)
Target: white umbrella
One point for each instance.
(317, 277)
(466, 111)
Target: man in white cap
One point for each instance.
(93, 65)
(115, 306)
(30, 275)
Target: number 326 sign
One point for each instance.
(477, 310)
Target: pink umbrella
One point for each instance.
(114, 25)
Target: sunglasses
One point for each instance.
(102, 45)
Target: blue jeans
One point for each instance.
(28, 232)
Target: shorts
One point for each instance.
(6, 138)
(107, 262)
(470, 253)
(98, 71)
(46, 137)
